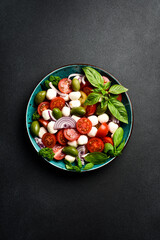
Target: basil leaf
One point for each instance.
(88, 166)
(113, 96)
(79, 162)
(96, 158)
(108, 147)
(118, 110)
(118, 136)
(92, 98)
(93, 76)
(117, 89)
(107, 85)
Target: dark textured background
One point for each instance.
(120, 200)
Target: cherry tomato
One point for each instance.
(87, 84)
(105, 79)
(119, 98)
(87, 90)
(57, 149)
(102, 130)
(61, 138)
(90, 109)
(49, 140)
(43, 122)
(71, 134)
(65, 85)
(95, 145)
(42, 106)
(84, 125)
(57, 102)
(107, 140)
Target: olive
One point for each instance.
(70, 151)
(35, 128)
(40, 97)
(57, 113)
(78, 111)
(83, 97)
(100, 110)
(75, 84)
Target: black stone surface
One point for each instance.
(120, 200)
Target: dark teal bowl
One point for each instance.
(64, 72)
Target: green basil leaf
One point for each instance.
(117, 89)
(118, 110)
(79, 162)
(92, 98)
(96, 158)
(120, 147)
(118, 136)
(113, 96)
(108, 147)
(107, 85)
(88, 166)
(93, 76)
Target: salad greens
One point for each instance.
(47, 153)
(35, 116)
(54, 80)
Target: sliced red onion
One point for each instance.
(67, 104)
(75, 75)
(51, 117)
(83, 80)
(113, 119)
(39, 142)
(61, 94)
(81, 152)
(65, 122)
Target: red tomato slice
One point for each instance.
(57, 102)
(87, 90)
(90, 109)
(65, 85)
(95, 145)
(107, 140)
(102, 130)
(61, 138)
(57, 149)
(119, 98)
(84, 125)
(71, 134)
(49, 140)
(105, 79)
(43, 122)
(42, 106)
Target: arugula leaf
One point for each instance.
(88, 166)
(118, 136)
(117, 89)
(92, 98)
(93, 76)
(118, 110)
(96, 158)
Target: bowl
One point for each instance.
(64, 72)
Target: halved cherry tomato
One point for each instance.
(102, 130)
(90, 109)
(105, 79)
(84, 125)
(57, 149)
(43, 122)
(107, 140)
(119, 98)
(95, 145)
(57, 102)
(49, 140)
(71, 134)
(61, 138)
(42, 106)
(65, 86)
(87, 90)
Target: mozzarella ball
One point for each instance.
(66, 111)
(74, 103)
(103, 118)
(112, 127)
(93, 119)
(93, 132)
(66, 98)
(83, 139)
(74, 95)
(50, 94)
(69, 158)
(73, 144)
(50, 127)
(42, 131)
(45, 114)
(75, 118)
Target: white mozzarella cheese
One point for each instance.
(42, 131)
(74, 103)
(66, 111)
(112, 127)
(83, 139)
(50, 94)
(75, 118)
(73, 144)
(74, 95)
(93, 132)
(45, 114)
(103, 118)
(50, 127)
(70, 158)
(93, 119)
(66, 98)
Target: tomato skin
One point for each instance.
(84, 125)
(49, 140)
(87, 90)
(108, 140)
(102, 130)
(65, 85)
(105, 79)
(90, 109)
(87, 84)
(42, 106)
(71, 134)
(57, 102)
(95, 145)
(43, 122)
(119, 98)
(61, 138)
(57, 149)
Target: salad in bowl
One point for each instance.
(77, 120)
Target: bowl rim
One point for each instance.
(77, 64)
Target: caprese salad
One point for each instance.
(78, 119)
